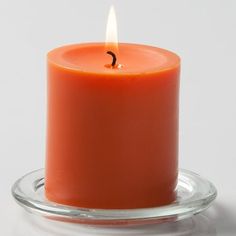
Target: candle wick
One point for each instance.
(113, 57)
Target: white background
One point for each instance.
(202, 32)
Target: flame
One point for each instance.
(111, 30)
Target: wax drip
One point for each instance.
(113, 58)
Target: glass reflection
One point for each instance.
(29, 224)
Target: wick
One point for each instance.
(113, 57)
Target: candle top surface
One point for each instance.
(131, 58)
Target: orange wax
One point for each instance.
(112, 135)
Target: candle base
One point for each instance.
(194, 194)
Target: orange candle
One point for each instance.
(112, 136)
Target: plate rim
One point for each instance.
(47, 208)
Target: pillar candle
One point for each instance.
(112, 128)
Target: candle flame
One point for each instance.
(111, 31)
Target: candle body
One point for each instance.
(112, 139)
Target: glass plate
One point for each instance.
(194, 194)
